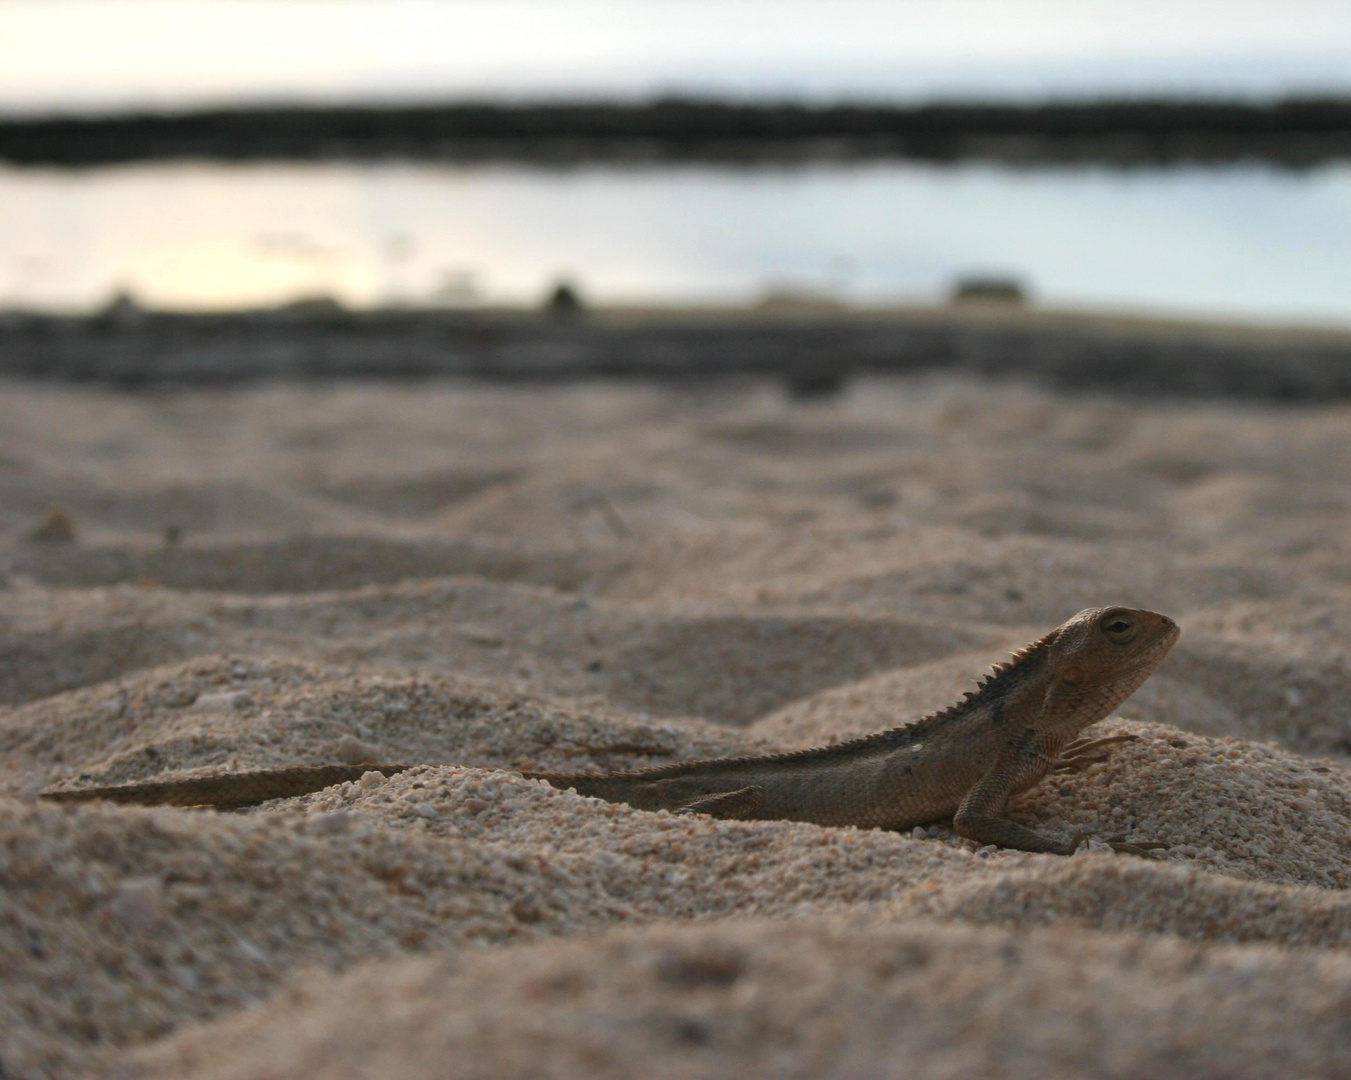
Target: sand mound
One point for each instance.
(801, 1000)
(173, 916)
(199, 912)
(444, 853)
(728, 668)
(1019, 580)
(747, 666)
(419, 496)
(223, 712)
(308, 564)
(1132, 895)
(612, 577)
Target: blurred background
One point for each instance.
(1240, 235)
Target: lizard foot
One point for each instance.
(1079, 754)
(1143, 849)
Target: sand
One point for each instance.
(612, 576)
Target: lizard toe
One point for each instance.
(1139, 849)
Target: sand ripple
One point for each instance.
(598, 577)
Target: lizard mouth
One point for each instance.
(1171, 632)
(1165, 636)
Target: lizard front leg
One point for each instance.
(978, 817)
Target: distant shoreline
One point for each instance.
(813, 352)
(1294, 132)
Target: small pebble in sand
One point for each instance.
(56, 527)
(330, 823)
(353, 751)
(138, 901)
(224, 701)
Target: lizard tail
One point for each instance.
(612, 787)
(228, 791)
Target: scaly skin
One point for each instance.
(965, 763)
(225, 791)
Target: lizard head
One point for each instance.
(1097, 659)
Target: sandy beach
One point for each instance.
(593, 575)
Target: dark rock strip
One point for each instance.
(146, 349)
(1296, 132)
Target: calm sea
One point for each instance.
(1250, 243)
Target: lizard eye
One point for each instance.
(1119, 627)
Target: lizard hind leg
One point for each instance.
(740, 805)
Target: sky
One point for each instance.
(107, 55)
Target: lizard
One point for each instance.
(965, 762)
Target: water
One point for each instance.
(1240, 242)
